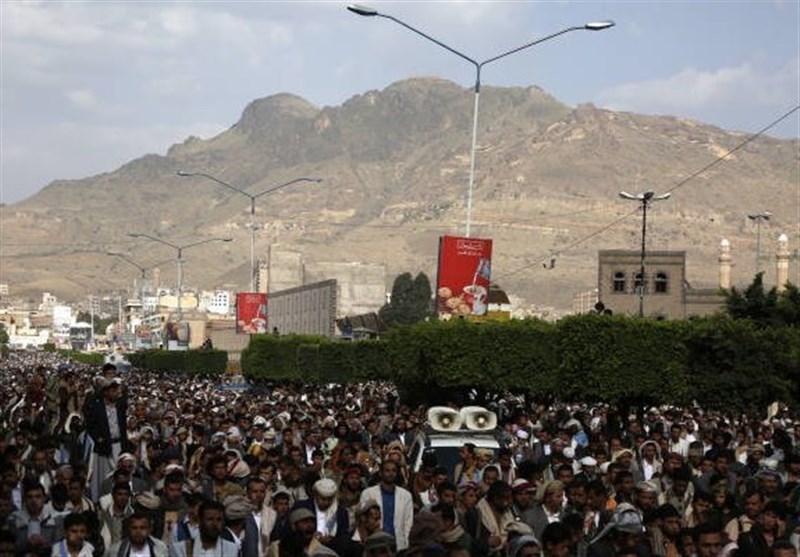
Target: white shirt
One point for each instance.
(144, 552)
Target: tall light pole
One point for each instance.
(252, 199)
(372, 12)
(759, 218)
(179, 251)
(142, 269)
(645, 199)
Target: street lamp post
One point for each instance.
(759, 218)
(252, 199)
(372, 12)
(645, 199)
(142, 269)
(179, 251)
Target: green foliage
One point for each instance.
(788, 309)
(100, 325)
(48, 347)
(275, 358)
(197, 362)
(411, 301)
(206, 362)
(720, 362)
(91, 358)
(3, 335)
(621, 360)
(735, 365)
(765, 308)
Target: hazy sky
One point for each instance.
(88, 86)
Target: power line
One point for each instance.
(681, 183)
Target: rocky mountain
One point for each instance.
(395, 165)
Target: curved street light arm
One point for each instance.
(154, 239)
(127, 260)
(533, 43)
(281, 186)
(206, 241)
(217, 180)
(426, 36)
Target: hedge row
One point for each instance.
(718, 362)
(199, 362)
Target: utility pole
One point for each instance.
(645, 199)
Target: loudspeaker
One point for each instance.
(478, 418)
(442, 418)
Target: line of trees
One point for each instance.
(719, 362)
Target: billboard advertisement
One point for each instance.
(465, 267)
(251, 312)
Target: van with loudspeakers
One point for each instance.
(447, 430)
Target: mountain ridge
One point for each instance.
(395, 164)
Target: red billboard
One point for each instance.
(465, 267)
(251, 312)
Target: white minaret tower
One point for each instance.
(782, 263)
(725, 264)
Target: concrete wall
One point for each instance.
(361, 286)
(309, 309)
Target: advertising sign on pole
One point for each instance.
(251, 312)
(465, 267)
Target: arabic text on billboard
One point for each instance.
(251, 312)
(465, 266)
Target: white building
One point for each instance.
(218, 301)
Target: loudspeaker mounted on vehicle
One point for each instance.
(442, 418)
(478, 418)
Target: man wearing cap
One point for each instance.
(106, 424)
(239, 526)
(397, 506)
(300, 539)
(380, 544)
(350, 490)
(332, 525)
(522, 492)
(621, 536)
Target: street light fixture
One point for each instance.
(179, 251)
(252, 199)
(645, 199)
(759, 218)
(142, 269)
(367, 11)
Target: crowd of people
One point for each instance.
(97, 463)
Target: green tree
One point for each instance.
(788, 309)
(754, 303)
(100, 325)
(3, 335)
(735, 365)
(411, 300)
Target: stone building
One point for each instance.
(667, 294)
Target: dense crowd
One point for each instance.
(97, 463)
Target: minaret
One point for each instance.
(725, 264)
(156, 279)
(782, 262)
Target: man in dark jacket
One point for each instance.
(106, 424)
